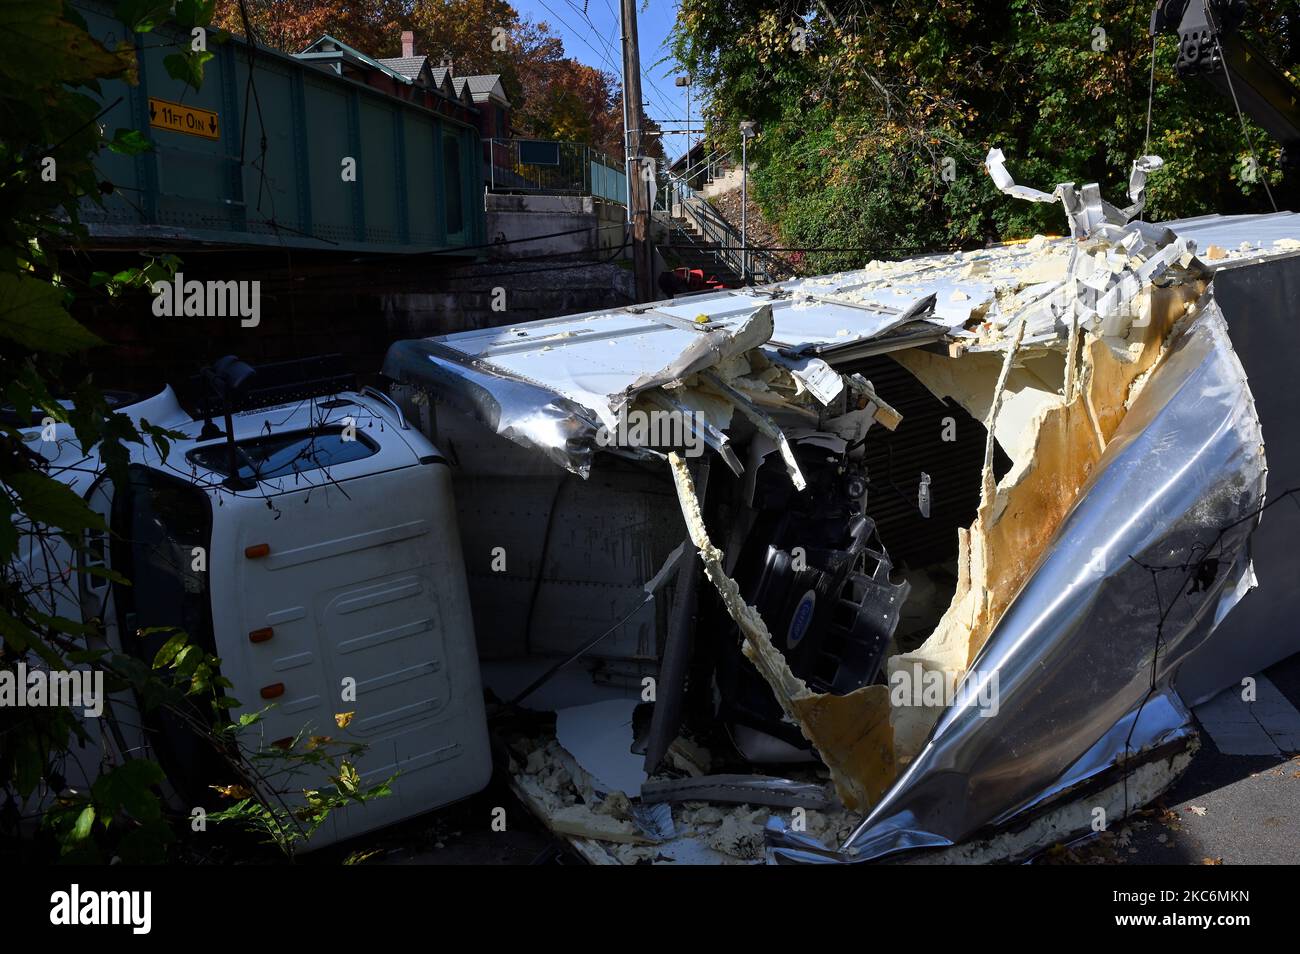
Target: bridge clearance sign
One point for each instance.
(183, 119)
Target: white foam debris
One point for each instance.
(599, 736)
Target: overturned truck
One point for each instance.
(924, 562)
(921, 561)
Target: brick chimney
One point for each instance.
(408, 43)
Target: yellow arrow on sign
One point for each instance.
(180, 118)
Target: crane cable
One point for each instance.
(1223, 61)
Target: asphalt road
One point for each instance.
(1228, 808)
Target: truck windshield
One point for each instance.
(278, 455)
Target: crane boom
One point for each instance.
(1211, 47)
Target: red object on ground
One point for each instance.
(695, 280)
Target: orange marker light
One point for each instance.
(273, 690)
(261, 635)
(257, 550)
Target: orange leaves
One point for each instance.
(237, 792)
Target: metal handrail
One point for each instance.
(717, 155)
(574, 171)
(716, 251)
(760, 261)
(715, 227)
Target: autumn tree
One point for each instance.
(563, 99)
(480, 36)
(289, 25)
(553, 95)
(875, 116)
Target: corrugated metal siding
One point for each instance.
(896, 460)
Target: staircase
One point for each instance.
(695, 250)
(702, 238)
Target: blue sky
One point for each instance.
(593, 38)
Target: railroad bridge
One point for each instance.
(275, 151)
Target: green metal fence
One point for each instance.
(544, 167)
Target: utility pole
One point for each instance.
(639, 191)
(627, 155)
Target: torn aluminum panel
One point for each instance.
(706, 351)
(1258, 301)
(1071, 810)
(550, 385)
(565, 388)
(1085, 208)
(1133, 580)
(1055, 477)
(1081, 359)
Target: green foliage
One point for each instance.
(287, 823)
(142, 16)
(129, 142)
(857, 129)
(32, 315)
(122, 798)
(50, 68)
(194, 13)
(187, 67)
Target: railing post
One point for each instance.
(744, 202)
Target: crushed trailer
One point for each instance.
(967, 526)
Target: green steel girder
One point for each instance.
(197, 189)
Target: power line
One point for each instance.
(578, 33)
(650, 82)
(1250, 145)
(605, 56)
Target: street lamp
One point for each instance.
(686, 81)
(747, 133)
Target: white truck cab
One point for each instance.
(332, 581)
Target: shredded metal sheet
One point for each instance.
(548, 384)
(1152, 554)
(1085, 208)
